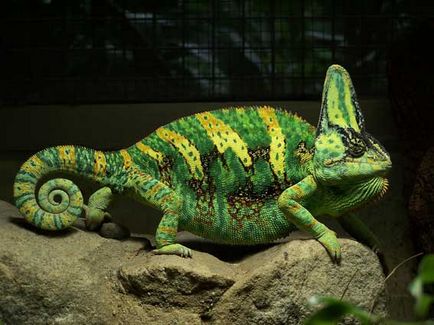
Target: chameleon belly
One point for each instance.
(236, 220)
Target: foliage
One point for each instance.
(418, 286)
(332, 309)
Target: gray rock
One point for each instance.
(277, 283)
(114, 231)
(169, 281)
(78, 277)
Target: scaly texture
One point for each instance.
(242, 175)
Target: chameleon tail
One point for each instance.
(60, 201)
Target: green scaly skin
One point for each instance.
(244, 175)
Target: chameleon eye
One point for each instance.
(356, 150)
(355, 144)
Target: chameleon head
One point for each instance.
(344, 151)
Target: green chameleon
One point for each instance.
(244, 175)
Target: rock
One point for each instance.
(169, 281)
(79, 277)
(278, 282)
(67, 277)
(114, 231)
(420, 205)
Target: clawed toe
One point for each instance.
(331, 244)
(173, 249)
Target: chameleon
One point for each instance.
(241, 176)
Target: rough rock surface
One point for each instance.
(79, 277)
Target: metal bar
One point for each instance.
(213, 46)
(273, 45)
(303, 41)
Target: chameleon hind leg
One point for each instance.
(95, 210)
(165, 199)
(289, 202)
(356, 228)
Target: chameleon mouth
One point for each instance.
(380, 169)
(332, 161)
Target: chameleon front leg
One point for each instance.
(95, 210)
(288, 202)
(161, 196)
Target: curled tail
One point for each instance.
(59, 201)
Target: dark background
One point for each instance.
(104, 73)
(105, 51)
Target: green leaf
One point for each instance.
(425, 277)
(422, 305)
(416, 287)
(426, 269)
(334, 309)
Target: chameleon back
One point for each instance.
(230, 166)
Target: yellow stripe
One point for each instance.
(29, 209)
(34, 166)
(155, 189)
(127, 159)
(349, 103)
(48, 223)
(67, 156)
(277, 145)
(224, 137)
(334, 111)
(24, 188)
(150, 152)
(100, 166)
(185, 148)
(167, 230)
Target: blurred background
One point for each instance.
(104, 73)
(104, 51)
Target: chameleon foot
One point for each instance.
(95, 210)
(331, 244)
(95, 217)
(173, 249)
